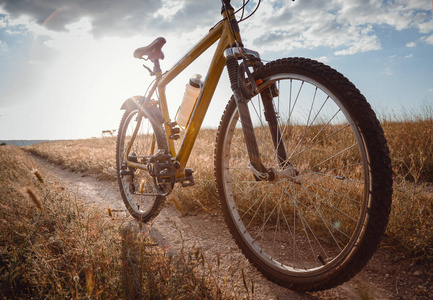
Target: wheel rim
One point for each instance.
(308, 224)
(139, 193)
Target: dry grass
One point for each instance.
(203, 195)
(410, 141)
(96, 156)
(410, 144)
(49, 241)
(52, 246)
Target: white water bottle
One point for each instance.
(192, 90)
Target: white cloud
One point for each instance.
(399, 14)
(348, 26)
(304, 26)
(388, 71)
(411, 45)
(361, 41)
(20, 21)
(364, 45)
(323, 59)
(78, 34)
(118, 18)
(426, 27)
(3, 46)
(16, 31)
(410, 4)
(429, 40)
(169, 9)
(3, 23)
(10, 26)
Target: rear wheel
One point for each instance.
(317, 227)
(136, 185)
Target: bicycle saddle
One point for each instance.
(153, 50)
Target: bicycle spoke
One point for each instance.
(342, 151)
(312, 211)
(335, 193)
(292, 233)
(137, 186)
(307, 125)
(308, 217)
(318, 142)
(333, 176)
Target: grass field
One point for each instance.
(52, 246)
(409, 139)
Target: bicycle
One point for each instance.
(302, 167)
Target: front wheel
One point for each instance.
(317, 227)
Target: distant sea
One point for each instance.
(21, 143)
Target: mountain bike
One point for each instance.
(302, 166)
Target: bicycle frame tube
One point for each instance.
(192, 55)
(221, 32)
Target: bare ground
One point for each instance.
(388, 275)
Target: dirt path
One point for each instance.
(387, 276)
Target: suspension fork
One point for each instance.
(242, 98)
(247, 126)
(271, 117)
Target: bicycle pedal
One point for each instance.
(188, 180)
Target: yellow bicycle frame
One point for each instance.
(222, 32)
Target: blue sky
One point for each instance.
(67, 66)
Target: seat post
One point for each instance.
(156, 67)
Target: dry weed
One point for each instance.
(74, 251)
(409, 139)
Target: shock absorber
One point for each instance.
(232, 69)
(244, 114)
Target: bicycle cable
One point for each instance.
(244, 4)
(252, 13)
(242, 18)
(243, 8)
(147, 90)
